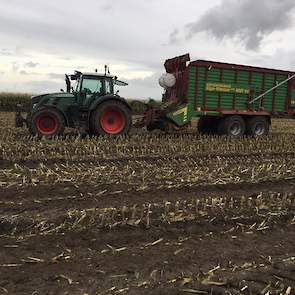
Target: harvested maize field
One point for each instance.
(147, 214)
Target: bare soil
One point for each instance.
(110, 238)
(180, 258)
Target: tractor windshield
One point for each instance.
(92, 85)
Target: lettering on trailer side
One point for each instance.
(227, 88)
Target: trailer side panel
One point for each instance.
(218, 87)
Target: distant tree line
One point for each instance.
(9, 102)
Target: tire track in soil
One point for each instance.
(6, 164)
(95, 268)
(60, 197)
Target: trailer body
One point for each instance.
(218, 90)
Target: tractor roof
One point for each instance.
(97, 75)
(77, 74)
(115, 78)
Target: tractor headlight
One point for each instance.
(34, 105)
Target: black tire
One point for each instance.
(208, 125)
(111, 118)
(46, 123)
(257, 126)
(234, 126)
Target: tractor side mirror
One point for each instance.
(61, 90)
(117, 92)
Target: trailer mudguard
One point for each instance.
(181, 115)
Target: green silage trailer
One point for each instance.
(229, 99)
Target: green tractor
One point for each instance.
(91, 105)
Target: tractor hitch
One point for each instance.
(19, 120)
(151, 114)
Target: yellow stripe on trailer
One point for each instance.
(183, 111)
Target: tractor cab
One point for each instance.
(90, 86)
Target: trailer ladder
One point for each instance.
(272, 89)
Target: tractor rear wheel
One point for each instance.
(47, 122)
(257, 126)
(111, 118)
(234, 126)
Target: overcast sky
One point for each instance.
(41, 40)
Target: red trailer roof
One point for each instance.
(238, 67)
(176, 63)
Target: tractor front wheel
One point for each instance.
(47, 122)
(111, 118)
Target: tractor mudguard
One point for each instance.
(107, 98)
(58, 101)
(50, 106)
(103, 99)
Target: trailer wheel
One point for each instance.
(208, 125)
(257, 126)
(234, 126)
(111, 118)
(47, 122)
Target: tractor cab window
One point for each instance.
(92, 85)
(109, 86)
(76, 86)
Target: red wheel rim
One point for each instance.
(112, 121)
(47, 124)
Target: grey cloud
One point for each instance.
(15, 66)
(174, 37)
(31, 64)
(280, 59)
(56, 76)
(122, 41)
(46, 86)
(147, 87)
(133, 35)
(66, 58)
(246, 20)
(5, 52)
(13, 51)
(107, 7)
(24, 73)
